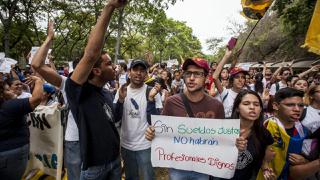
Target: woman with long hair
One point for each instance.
(302, 85)
(254, 138)
(14, 132)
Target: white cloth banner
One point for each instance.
(46, 140)
(202, 145)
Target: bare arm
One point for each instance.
(95, 44)
(219, 69)
(313, 69)
(264, 69)
(305, 170)
(37, 93)
(274, 76)
(49, 74)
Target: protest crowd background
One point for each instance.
(94, 118)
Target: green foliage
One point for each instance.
(296, 17)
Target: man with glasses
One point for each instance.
(286, 129)
(284, 74)
(201, 106)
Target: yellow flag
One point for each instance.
(312, 41)
(255, 9)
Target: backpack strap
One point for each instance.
(186, 104)
(277, 86)
(225, 97)
(303, 115)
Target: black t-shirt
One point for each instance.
(14, 130)
(250, 160)
(92, 108)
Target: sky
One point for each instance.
(207, 18)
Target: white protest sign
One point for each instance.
(34, 51)
(6, 63)
(46, 140)
(70, 65)
(202, 145)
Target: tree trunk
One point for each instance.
(6, 38)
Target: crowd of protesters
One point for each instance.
(279, 111)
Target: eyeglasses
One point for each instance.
(292, 105)
(195, 74)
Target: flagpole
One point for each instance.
(244, 43)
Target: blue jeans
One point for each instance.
(110, 171)
(72, 159)
(13, 163)
(176, 174)
(137, 164)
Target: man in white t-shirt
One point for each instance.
(123, 75)
(237, 80)
(135, 148)
(284, 73)
(72, 145)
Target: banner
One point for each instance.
(202, 145)
(46, 140)
(312, 41)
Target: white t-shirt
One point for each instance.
(312, 119)
(229, 96)
(72, 132)
(24, 95)
(134, 119)
(273, 88)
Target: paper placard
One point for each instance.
(202, 145)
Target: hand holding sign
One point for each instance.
(242, 142)
(150, 133)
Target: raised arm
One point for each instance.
(95, 44)
(313, 69)
(37, 93)
(274, 76)
(219, 68)
(49, 74)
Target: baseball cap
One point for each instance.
(137, 62)
(201, 63)
(236, 70)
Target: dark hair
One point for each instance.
(258, 85)
(287, 92)
(97, 64)
(124, 66)
(291, 77)
(283, 70)
(257, 129)
(169, 81)
(163, 65)
(221, 72)
(161, 82)
(10, 81)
